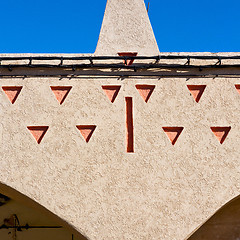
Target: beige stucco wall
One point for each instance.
(160, 191)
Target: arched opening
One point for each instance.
(21, 218)
(223, 225)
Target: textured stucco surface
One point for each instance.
(160, 191)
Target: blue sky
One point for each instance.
(73, 26)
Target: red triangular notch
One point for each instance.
(145, 91)
(128, 54)
(61, 92)
(38, 132)
(238, 87)
(221, 133)
(86, 131)
(173, 133)
(12, 92)
(111, 92)
(196, 91)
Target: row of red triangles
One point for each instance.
(145, 91)
(38, 132)
(173, 133)
(61, 92)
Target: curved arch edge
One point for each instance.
(217, 211)
(27, 201)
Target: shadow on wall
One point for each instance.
(223, 225)
(23, 218)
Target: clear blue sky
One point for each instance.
(73, 26)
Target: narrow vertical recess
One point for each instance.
(129, 124)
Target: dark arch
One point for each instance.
(223, 225)
(8, 194)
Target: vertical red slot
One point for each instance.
(129, 124)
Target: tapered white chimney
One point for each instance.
(126, 28)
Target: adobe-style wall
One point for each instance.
(109, 163)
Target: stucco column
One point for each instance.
(126, 28)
